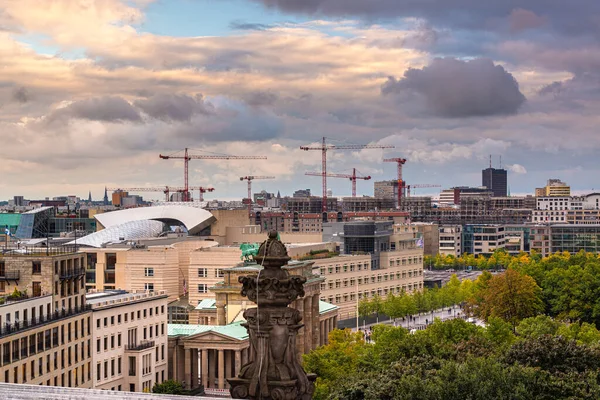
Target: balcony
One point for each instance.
(10, 276)
(71, 273)
(144, 345)
(12, 328)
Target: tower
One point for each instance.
(105, 196)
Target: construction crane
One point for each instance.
(401, 183)
(250, 179)
(324, 147)
(166, 190)
(187, 157)
(420, 185)
(352, 178)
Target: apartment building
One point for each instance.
(45, 325)
(129, 340)
(540, 239)
(380, 258)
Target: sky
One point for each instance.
(92, 91)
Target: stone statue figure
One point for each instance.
(274, 370)
(248, 251)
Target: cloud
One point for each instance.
(521, 20)
(517, 169)
(260, 98)
(172, 107)
(249, 26)
(454, 88)
(21, 95)
(106, 109)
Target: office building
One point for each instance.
(483, 239)
(554, 187)
(495, 179)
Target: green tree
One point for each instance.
(168, 387)
(537, 326)
(512, 297)
(365, 307)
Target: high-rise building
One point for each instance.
(495, 179)
(554, 187)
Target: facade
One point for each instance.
(45, 332)
(311, 204)
(573, 238)
(365, 203)
(556, 187)
(483, 239)
(540, 239)
(450, 240)
(431, 237)
(380, 258)
(495, 179)
(129, 340)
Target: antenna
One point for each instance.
(500, 161)
(490, 161)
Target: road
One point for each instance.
(421, 321)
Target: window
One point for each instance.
(132, 367)
(36, 267)
(119, 366)
(98, 346)
(202, 288)
(202, 273)
(149, 286)
(218, 273)
(148, 271)
(98, 373)
(119, 340)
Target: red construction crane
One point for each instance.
(187, 157)
(250, 179)
(352, 177)
(166, 190)
(324, 147)
(420, 185)
(401, 183)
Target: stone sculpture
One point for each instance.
(274, 371)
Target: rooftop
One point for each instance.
(111, 297)
(26, 392)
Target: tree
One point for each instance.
(512, 297)
(537, 326)
(168, 387)
(364, 307)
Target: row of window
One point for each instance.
(39, 342)
(36, 367)
(203, 273)
(350, 282)
(382, 292)
(126, 316)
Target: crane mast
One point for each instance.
(323, 148)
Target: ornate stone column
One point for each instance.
(275, 372)
(316, 321)
(221, 369)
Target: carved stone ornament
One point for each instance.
(274, 370)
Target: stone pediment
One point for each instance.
(213, 338)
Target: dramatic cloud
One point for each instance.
(454, 88)
(573, 17)
(173, 107)
(249, 26)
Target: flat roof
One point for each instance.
(111, 295)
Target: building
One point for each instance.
(379, 258)
(495, 179)
(366, 203)
(117, 196)
(386, 190)
(45, 325)
(574, 238)
(431, 237)
(540, 239)
(310, 204)
(450, 240)
(453, 195)
(209, 354)
(302, 193)
(129, 340)
(35, 224)
(554, 187)
(483, 239)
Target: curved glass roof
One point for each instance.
(132, 230)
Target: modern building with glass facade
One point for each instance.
(573, 238)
